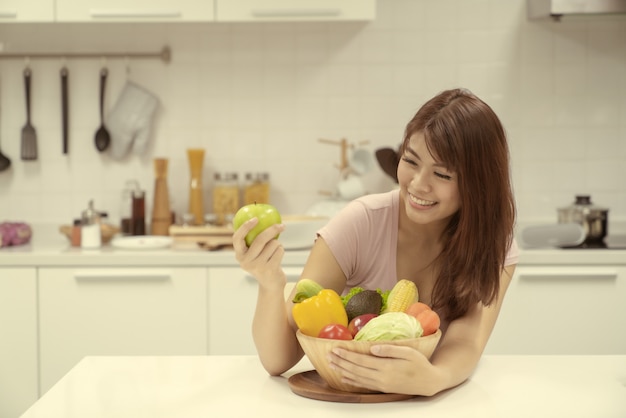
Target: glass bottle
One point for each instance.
(196, 204)
(161, 215)
(138, 217)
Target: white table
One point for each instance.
(237, 386)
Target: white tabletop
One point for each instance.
(237, 386)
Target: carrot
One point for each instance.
(416, 308)
(429, 320)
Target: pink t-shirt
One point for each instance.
(363, 238)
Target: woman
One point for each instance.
(449, 229)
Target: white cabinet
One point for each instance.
(232, 301)
(563, 310)
(289, 10)
(26, 11)
(118, 311)
(18, 340)
(185, 10)
(134, 11)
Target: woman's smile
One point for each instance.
(420, 203)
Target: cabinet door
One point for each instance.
(232, 301)
(563, 310)
(118, 311)
(26, 11)
(18, 340)
(288, 10)
(134, 11)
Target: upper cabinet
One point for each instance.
(186, 10)
(26, 11)
(289, 10)
(134, 10)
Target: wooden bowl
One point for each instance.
(318, 349)
(107, 232)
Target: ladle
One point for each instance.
(103, 138)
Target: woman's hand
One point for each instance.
(264, 256)
(389, 369)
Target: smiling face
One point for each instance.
(429, 190)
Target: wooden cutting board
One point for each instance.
(309, 384)
(207, 237)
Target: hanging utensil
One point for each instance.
(64, 108)
(29, 135)
(103, 138)
(5, 162)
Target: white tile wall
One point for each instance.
(258, 96)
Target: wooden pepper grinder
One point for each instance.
(161, 215)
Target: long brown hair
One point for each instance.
(464, 133)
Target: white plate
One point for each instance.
(144, 242)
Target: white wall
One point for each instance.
(258, 97)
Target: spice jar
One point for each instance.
(76, 231)
(225, 195)
(256, 189)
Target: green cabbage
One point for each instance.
(390, 326)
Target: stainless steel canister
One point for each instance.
(594, 219)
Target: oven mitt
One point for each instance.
(130, 120)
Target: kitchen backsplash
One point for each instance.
(258, 97)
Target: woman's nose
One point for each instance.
(420, 181)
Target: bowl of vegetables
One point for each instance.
(357, 322)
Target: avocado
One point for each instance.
(367, 301)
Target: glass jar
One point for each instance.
(256, 189)
(225, 195)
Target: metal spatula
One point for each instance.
(29, 136)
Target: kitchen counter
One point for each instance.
(237, 386)
(49, 247)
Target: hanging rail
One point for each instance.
(164, 55)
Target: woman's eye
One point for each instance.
(443, 176)
(409, 161)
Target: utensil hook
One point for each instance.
(127, 64)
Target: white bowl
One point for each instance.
(300, 231)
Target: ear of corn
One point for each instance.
(403, 294)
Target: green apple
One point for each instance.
(268, 215)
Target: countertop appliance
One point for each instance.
(557, 9)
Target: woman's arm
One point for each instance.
(396, 369)
(273, 327)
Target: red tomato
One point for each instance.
(359, 322)
(335, 332)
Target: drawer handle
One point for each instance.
(291, 278)
(111, 13)
(8, 14)
(122, 277)
(568, 275)
(295, 12)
